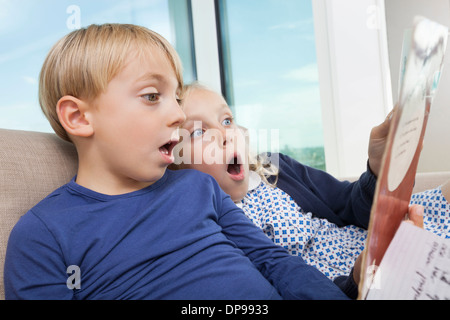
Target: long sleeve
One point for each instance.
(34, 267)
(290, 275)
(194, 244)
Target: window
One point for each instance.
(265, 56)
(29, 28)
(270, 75)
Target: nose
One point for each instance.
(177, 116)
(228, 136)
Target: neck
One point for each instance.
(105, 183)
(93, 174)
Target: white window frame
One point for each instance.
(206, 43)
(347, 119)
(351, 104)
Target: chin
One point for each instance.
(154, 175)
(237, 196)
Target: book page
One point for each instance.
(396, 179)
(416, 266)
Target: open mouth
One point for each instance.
(166, 150)
(168, 147)
(235, 168)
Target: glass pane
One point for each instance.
(29, 28)
(270, 74)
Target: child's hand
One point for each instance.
(415, 215)
(377, 143)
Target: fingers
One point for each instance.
(387, 121)
(357, 268)
(381, 131)
(415, 215)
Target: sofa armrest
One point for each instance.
(430, 180)
(424, 180)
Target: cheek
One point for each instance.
(206, 152)
(241, 145)
(213, 170)
(191, 156)
(184, 153)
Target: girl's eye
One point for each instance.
(197, 133)
(151, 97)
(227, 122)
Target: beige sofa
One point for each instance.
(33, 164)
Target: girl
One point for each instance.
(305, 210)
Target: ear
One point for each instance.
(73, 116)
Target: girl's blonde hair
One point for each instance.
(260, 164)
(83, 62)
(264, 168)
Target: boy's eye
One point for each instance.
(151, 97)
(197, 133)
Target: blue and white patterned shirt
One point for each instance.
(331, 249)
(437, 211)
(320, 243)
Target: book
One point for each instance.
(416, 266)
(424, 50)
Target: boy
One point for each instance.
(125, 227)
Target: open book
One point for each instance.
(416, 266)
(419, 80)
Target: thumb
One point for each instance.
(382, 130)
(415, 215)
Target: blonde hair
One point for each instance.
(260, 164)
(264, 168)
(83, 62)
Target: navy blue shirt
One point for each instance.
(340, 202)
(180, 238)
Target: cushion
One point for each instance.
(32, 165)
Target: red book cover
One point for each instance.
(424, 51)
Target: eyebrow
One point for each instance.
(224, 106)
(152, 76)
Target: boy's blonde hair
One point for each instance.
(83, 63)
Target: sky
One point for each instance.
(29, 28)
(274, 68)
(272, 48)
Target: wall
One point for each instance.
(435, 155)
